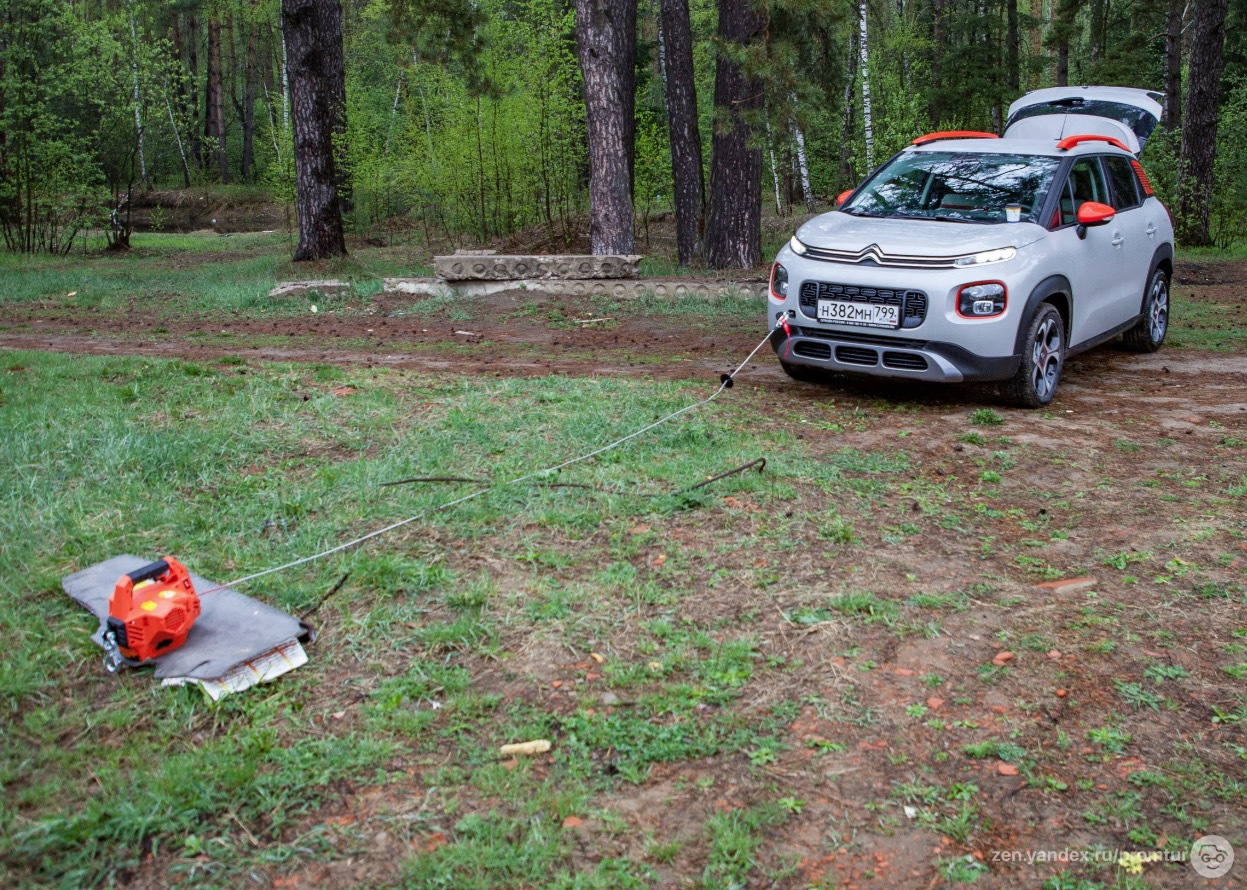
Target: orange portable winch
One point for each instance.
(150, 612)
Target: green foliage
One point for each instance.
(461, 159)
(57, 87)
(1229, 193)
(465, 121)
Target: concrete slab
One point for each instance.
(303, 288)
(465, 267)
(662, 288)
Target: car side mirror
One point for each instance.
(1093, 213)
(843, 196)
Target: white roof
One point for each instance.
(1011, 145)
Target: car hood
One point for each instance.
(913, 237)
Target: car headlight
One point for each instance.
(796, 246)
(779, 283)
(1000, 255)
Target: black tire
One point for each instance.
(1043, 356)
(1149, 334)
(804, 373)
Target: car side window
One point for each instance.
(1086, 183)
(1125, 186)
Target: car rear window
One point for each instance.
(1125, 186)
(1140, 120)
(953, 187)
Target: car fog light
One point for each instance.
(983, 299)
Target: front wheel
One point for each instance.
(1149, 333)
(1043, 354)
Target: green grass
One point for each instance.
(730, 305)
(234, 468)
(1202, 324)
(178, 273)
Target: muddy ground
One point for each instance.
(522, 333)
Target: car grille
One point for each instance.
(912, 303)
(812, 350)
(859, 354)
(904, 361)
(856, 355)
(855, 337)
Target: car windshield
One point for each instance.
(947, 186)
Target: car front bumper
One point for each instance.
(884, 356)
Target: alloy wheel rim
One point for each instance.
(1046, 359)
(1159, 320)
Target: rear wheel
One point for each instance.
(1149, 333)
(1043, 354)
(805, 373)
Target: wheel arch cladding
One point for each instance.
(1054, 289)
(1161, 259)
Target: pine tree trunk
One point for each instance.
(1038, 33)
(687, 174)
(1199, 128)
(215, 122)
(1012, 47)
(937, 60)
(1173, 64)
(251, 77)
(192, 101)
(1064, 15)
(734, 223)
(627, 70)
(606, 65)
(313, 30)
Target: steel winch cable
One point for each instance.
(725, 382)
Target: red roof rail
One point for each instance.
(1071, 141)
(953, 134)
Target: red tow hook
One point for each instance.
(783, 322)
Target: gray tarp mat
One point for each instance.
(231, 630)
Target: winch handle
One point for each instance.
(149, 572)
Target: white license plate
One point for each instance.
(869, 314)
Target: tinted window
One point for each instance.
(952, 187)
(1086, 183)
(1125, 188)
(1137, 119)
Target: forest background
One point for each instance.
(467, 122)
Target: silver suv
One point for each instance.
(969, 256)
